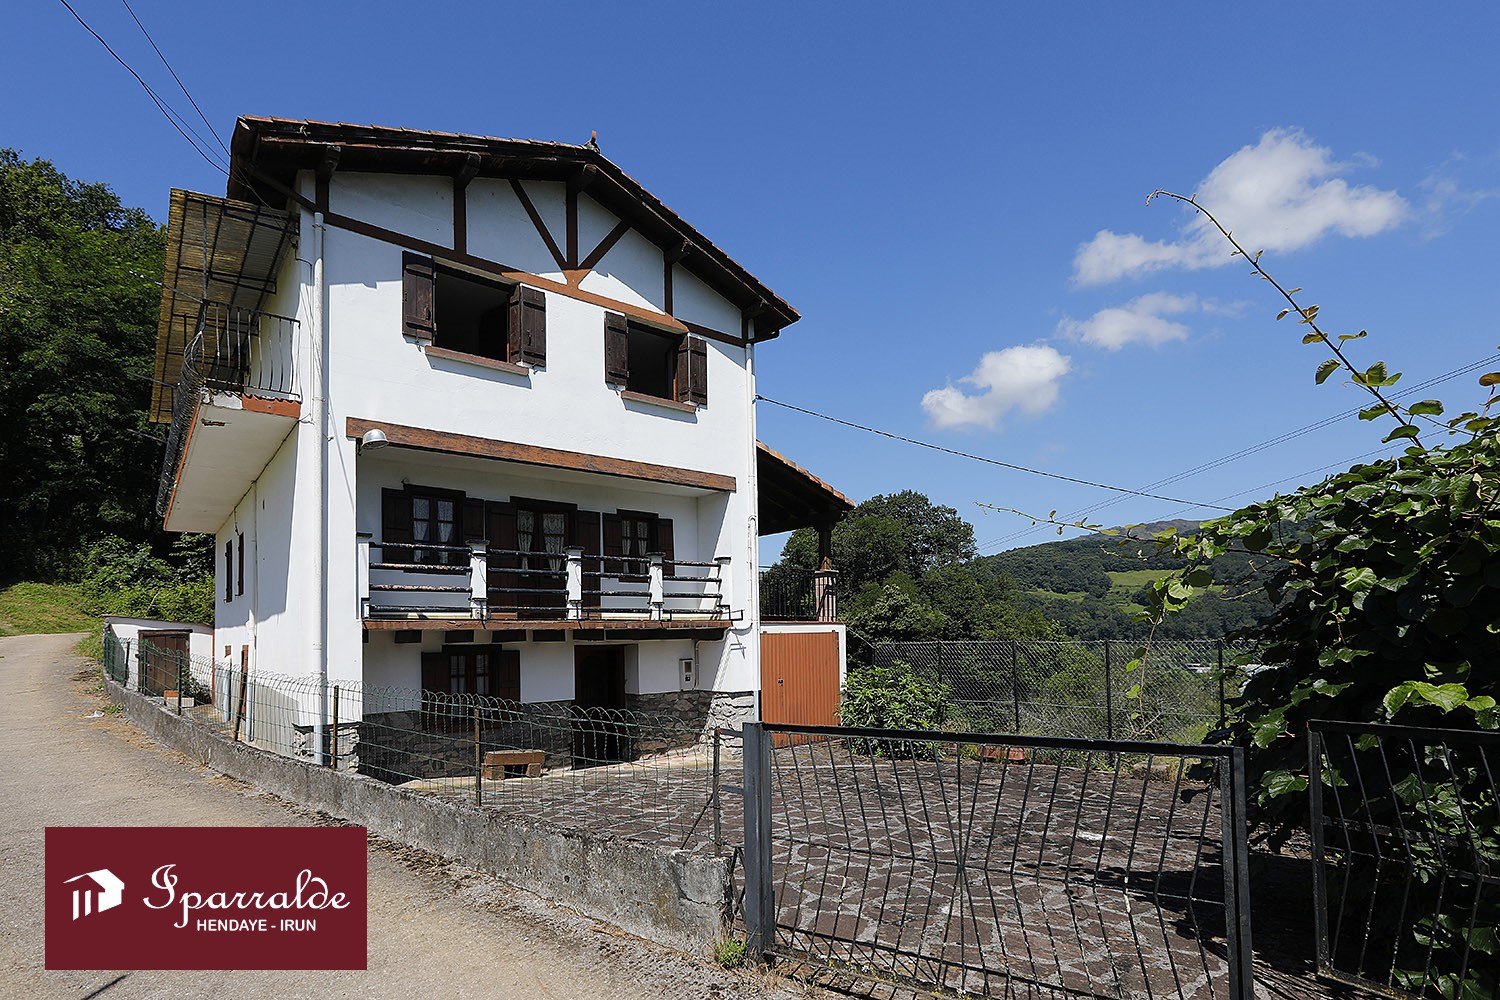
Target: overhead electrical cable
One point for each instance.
(988, 461)
(1250, 450)
(182, 86)
(176, 120)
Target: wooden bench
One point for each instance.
(502, 764)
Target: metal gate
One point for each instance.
(969, 864)
(1406, 852)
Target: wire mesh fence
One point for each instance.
(965, 864)
(642, 775)
(1084, 689)
(1406, 850)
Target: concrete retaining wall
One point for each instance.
(676, 898)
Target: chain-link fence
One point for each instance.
(1085, 689)
(647, 776)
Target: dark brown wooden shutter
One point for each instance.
(664, 544)
(473, 526)
(418, 280)
(395, 525)
(228, 571)
(528, 326)
(240, 575)
(586, 534)
(692, 371)
(616, 349)
(614, 544)
(435, 672)
(505, 674)
(500, 521)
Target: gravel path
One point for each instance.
(436, 929)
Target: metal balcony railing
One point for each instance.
(236, 350)
(796, 595)
(426, 580)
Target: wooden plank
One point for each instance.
(604, 247)
(501, 271)
(537, 221)
(449, 443)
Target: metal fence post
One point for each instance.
(718, 803)
(760, 901)
(1109, 695)
(1232, 808)
(1320, 885)
(1223, 716)
(333, 755)
(478, 763)
(1015, 684)
(180, 660)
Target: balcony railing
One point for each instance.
(235, 350)
(424, 580)
(797, 595)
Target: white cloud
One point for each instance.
(1140, 321)
(1017, 378)
(1281, 194)
(1450, 196)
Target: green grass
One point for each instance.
(42, 609)
(1076, 596)
(1134, 579)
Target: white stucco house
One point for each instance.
(473, 415)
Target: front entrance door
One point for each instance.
(601, 733)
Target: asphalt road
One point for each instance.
(436, 930)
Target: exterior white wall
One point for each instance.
(376, 373)
(128, 630)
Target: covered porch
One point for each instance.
(792, 498)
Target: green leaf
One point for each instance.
(1314, 338)
(1326, 369)
(1375, 374)
(1282, 314)
(1489, 378)
(1354, 336)
(1277, 783)
(1426, 408)
(1404, 431)
(1372, 412)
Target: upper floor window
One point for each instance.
(468, 314)
(652, 362)
(440, 518)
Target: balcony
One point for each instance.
(236, 398)
(789, 594)
(422, 584)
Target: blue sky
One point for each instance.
(952, 195)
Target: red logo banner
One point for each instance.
(183, 897)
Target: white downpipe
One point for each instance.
(318, 627)
(752, 543)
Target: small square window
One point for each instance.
(471, 316)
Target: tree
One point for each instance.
(77, 331)
(901, 533)
(1386, 597)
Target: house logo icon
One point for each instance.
(103, 891)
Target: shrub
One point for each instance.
(893, 697)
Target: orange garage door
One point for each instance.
(799, 678)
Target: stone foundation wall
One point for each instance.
(677, 898)
(400, 746)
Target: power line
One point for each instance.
(172, 118)
(988, 461)
(1253, 449)
(180, 84)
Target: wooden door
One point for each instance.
(799, 678)
(162, 653)
(600, 732)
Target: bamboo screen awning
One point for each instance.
(220, 251)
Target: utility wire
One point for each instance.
(172, 117)
(1251, 450)
(180, 84)
(987, 461)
